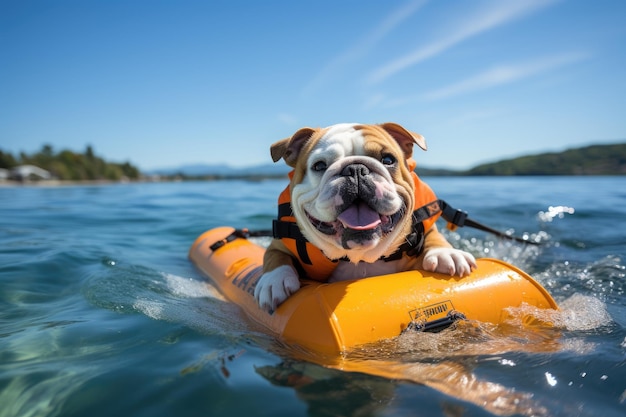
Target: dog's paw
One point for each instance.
(276, 286)
(449, 261)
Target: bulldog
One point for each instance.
(354, 208)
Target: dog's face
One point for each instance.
(351, 191)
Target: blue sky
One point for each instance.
(165, 83)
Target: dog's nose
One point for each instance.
(355, 170)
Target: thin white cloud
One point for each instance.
(372, 101)
(366, 44)
(504, 74)
(287, 119)
(497, 14)
(493, 77)
(474, 115)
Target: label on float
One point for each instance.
(434, 317)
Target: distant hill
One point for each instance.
(589, 160)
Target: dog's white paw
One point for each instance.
(276, 286)
(449, 261)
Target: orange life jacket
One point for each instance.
(312, 262)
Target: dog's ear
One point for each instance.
(405, 138)
(289, 148)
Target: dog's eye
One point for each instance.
(319, 166)
(388, 159)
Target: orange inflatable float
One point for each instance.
(336, 317)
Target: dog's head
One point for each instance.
(351, 190)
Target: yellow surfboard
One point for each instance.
(336, 317)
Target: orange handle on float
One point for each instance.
(333, 318)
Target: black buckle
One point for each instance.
(452, 215)
(236, 234)
(437, 325)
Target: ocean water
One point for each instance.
(102, 313)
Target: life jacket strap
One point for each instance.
(414, 244)
(290, 230)
(427, 211)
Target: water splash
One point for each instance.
(555, 212)
(191, 288)
(577, 313)
(464, 339)
(161, 296)
(527, 328)
(194, 304)
(604, 278)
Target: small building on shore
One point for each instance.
(28, 173)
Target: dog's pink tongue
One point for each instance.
(359, 217)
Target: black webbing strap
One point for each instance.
(459, 218)
(412, 246)
(414, 242)
(237, 233)
(427, 211)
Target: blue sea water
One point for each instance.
(103, 314)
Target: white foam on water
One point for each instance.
(192, 303)
(580, 312)
(191, 288)
(152, 309)
(599, 281)
(577, 313)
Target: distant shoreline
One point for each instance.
(63, 183)
(68, 183)
(38, 169)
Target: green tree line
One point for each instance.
(589, 160)
(69, 165)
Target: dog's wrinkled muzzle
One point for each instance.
(358, 222)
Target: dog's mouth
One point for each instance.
(357, 219)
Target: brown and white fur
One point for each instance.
(336, 168)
